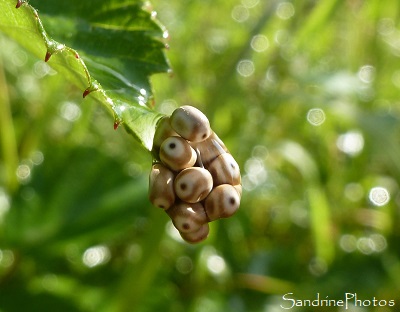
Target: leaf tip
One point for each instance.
(86, 92)
(19, 3)
(90, 89)
(52, 48)
(47, 57)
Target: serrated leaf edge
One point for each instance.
(54, 47)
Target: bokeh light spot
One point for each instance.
(299, 214)
(379, 196)
(173, 232)
(245, 68)
(365, 245)
(134, 253)
(42, 69)
(256, 174)
(250, 3)
(367, 73)
(218, 41)
(168, 106)
(259, 43)
(216, 264)
(354, 192)
(19, 58)
(386, 26)
(318, 267)
(95, 256)
(4, 204)
(260, 152)
(285, 10)
(281, 37)
(379, 241)
(37, 158)
(348, 243)
(70, 111)
(50, 282)
(316, 116)
(23, 173)
(6, 258)
(351, 143)
(184, 264)
(240, 13)
(133, 169)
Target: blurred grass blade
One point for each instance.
(319, 207)
(138, 279)
(264, 284)
(8, 142)
(320, 224)
(105, 47)
(317, 19)
(301, 159)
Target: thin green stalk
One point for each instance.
(9, 148)
(138, 279)
(319, 16)
(321, 227)
(230, 70)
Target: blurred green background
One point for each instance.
(305, 96)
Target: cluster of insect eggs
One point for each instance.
(194, 178)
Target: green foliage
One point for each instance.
(120, 46)
(305, 96)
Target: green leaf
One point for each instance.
(107, 48)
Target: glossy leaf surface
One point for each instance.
(108, 49)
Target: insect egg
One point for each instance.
(177, 154)
(163, 131)
(209, 149)
(222, 202)
(198, 236)
(161, 190)
(193, 184)
(225, 170)
(187, 217)
(190, 123)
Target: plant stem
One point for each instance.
(9, 148)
